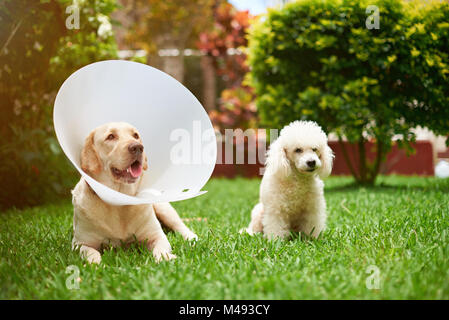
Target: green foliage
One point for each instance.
(428, 42)
(317, 60)
(228, 32)
(37, 54)
(94, 40)
(174, 23)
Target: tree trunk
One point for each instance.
(380, 153)
(363, 167)
(209, 82)
(367, 172)
(347, 159)
(174, 65)
(173, 60)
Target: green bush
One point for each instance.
(318, 60)
(37, 54)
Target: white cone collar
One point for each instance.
(176, 131)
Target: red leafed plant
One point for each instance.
(222, 42)
(236, 108)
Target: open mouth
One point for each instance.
(129, 174)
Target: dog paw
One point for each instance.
(163, 255)
(93, 258)
(190, 236)
(247, 230)
(167, 256)
(276, 236)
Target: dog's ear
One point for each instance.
(145, 163)
(327, 159)
(90, 162)
(277, 161)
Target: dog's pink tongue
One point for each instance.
(135, 169)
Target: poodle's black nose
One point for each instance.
(311, 163)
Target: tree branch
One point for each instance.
(379, 155)
(347, 159)
(11, 35)
(362, 159)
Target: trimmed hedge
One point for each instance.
(317, 60)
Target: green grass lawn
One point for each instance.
(399, 228)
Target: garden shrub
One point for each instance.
(38, 54)
(318, 60)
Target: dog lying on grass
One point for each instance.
(291, 192)
(113, 154)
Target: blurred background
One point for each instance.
(380, 89)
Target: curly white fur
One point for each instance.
(291, 192)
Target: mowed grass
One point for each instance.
(397, 231)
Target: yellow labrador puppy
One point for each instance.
(114, 155)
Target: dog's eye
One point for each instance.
(314, 149)
(298, 150)
(136, 136)
(110, 137)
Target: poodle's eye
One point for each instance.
(314, 149)
(136, 136)
(110, 137)
(298, 150)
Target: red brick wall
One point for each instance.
(397, 162)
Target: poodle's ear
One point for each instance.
(277, 161)
(90, 162)
(327, 158)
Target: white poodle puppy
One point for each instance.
(291, 192)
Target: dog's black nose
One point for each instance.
(311, 163)
(135, 148)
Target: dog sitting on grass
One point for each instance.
(291, 192)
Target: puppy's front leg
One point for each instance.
(156, 239)
(255, 224)
(162, 249)
(274, 226)
(314, 225)
(92, 255)
(169, 217)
